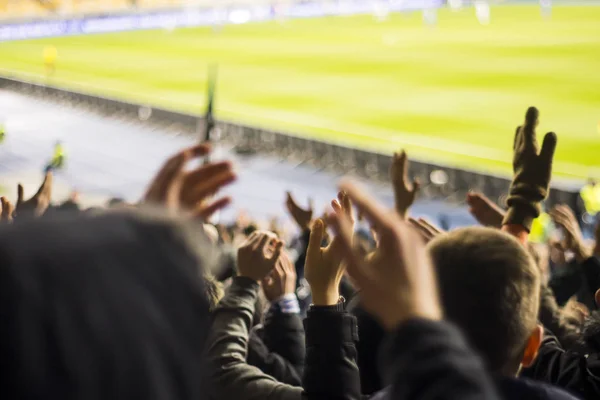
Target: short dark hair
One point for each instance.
(489, 287)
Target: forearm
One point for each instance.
(549, 316)
(428, 359)
(229, 375)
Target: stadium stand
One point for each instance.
(21, 9)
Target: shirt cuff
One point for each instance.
(287, 304)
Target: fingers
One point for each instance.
(416, 186)
(517, 140)
(403, 161)
(528, 131)
(354, 261)
(20, 194)
(200, 174)
(7, 209)
(315, 239)
(548, 147)
(347, 204)
(377, 215)
(46, 185)
(171, 169)
(206, 211)
(337, 207)
(262, 241)
(431, 227)
(208, 179)
(277, 251)
(425, 233)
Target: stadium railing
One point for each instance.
(438, 182)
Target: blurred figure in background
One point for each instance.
(590, 196)
(50, 56)
(58, 158)
(2, 132)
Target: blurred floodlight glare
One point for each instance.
(240, 16)
(438, 177)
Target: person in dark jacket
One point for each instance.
(107, 307)
(330, 371)
(277, 346)
(424, 357)
(490, 289)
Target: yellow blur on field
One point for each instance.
(50, 54)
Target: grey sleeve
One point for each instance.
(229, 376)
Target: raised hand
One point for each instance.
(532, 172)
(7, 211)
(485, 211)
(404, 191)
(397, 281)
(301, 216)
(39, 203)
(258, 255)
(426, 229)
(564, 217)
(177, 189)
(281, 280)
(323, 267)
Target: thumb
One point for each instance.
(315, 238)
(548, 147)
(20, 194)
(416, 186)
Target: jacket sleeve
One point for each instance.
(272, 363)
(283, 333)
(331, 372)
(575, 372)
(431, 360)
(228, 375)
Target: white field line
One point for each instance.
(435, 144)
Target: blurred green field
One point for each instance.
(451, 93)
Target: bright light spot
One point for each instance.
(240, 16)
(438, 177)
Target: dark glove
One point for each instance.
(532, 173)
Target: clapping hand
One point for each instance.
(397, 281)
(302, 217)
(39, 203)
(258, 255)
(323, 268)
(281, 280)
(178, 189)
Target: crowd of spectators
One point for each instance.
(151, 300)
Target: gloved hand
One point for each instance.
(532, 173)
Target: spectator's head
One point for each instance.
(106, 307)
(490, 287)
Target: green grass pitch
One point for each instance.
(452, 93)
